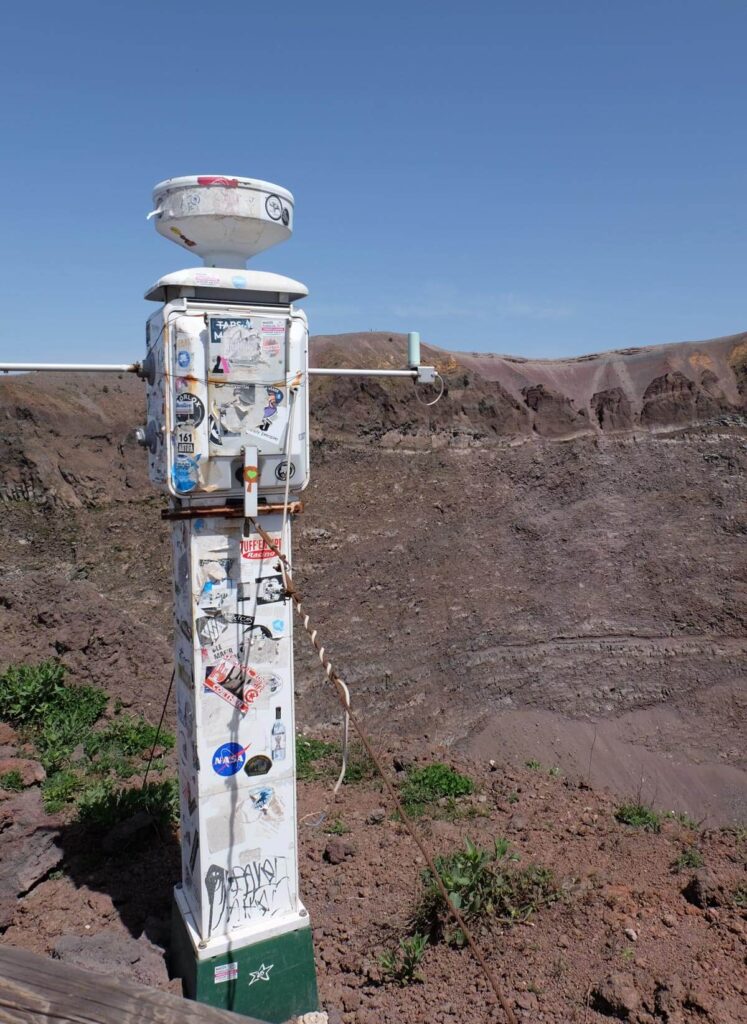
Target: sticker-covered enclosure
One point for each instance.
(225, 380)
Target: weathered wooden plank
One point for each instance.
(38, 990)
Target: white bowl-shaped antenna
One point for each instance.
(224, 220)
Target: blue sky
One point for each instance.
(540, 178)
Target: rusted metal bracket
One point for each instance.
(293, 508)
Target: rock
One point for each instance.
(517, 823)
(668, 997)
(30, 771)
(669, 920)
(338, 850)
(376, 817)
(704, 890)
(334, 1016)
(110, 952)
(8, 735)
(632, 934)
(315, 533)
(697, 999)
(128, 832)
(616, 996)
(527, 1001)
(28, 849)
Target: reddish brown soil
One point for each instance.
(613, 878)
(548, 565)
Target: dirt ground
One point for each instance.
(549, 567)
(622, 912)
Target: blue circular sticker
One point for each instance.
(229, 759)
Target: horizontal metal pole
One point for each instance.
(72, 367)
(319, 371)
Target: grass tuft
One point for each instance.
(12, 781)
(639, 816)
(425, 786)
(482, 884)
(104, 806)
(401, 963)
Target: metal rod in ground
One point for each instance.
(406, 821)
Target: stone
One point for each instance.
(668, 997)
(28, 849)
(113, 953)
(338, 850)
(632, 934)
(616, 996)
(376, 817)
(669, 920)
(30, 771)
(8, 735)
(517, 823)
(527, 1001)
(703, 890)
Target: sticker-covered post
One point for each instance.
(227, 438)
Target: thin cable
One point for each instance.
(340, 690)
(158, 730)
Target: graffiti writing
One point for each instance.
(240, 894)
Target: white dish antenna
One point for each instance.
(224, 220)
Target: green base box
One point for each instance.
(271, 980)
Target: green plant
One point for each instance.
(690, 857)
(482, 884)
(424, 786)
(12, 781)
(401, 963)
(27, 690)
(103, 806)
(740, 896)
(554, 771)
(639, 816)
(627, 954)
(309, 751)
(684, 819)
(124, 738)
(536, 765)
(513, 798)
(59, 790)
(336, 828)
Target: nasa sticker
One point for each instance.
(229, 759)
(189, 409)
(285, 471)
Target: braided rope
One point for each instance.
(343, 696)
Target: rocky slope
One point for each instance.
(524, 566)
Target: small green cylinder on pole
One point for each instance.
(413, 348)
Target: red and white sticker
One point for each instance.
(255, 550)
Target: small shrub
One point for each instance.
(535, 765)
(59, 790)
(26, 691)
(740, 896)
(426, 785)
(401, 963)
(691, 857)
(126, 736)
(639, 816)
(482, 884)
(336, 828)
(103, 806)
(12, 781)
